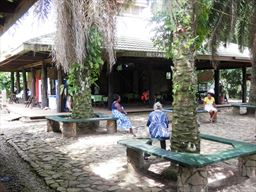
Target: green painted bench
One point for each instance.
(236, 107)
(70, 127)
(191, 162)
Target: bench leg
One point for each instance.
(192, 179)
(236, 110)
(111, 126)
(135, 160)
(247, 166)
(53, 126)
(68, 129)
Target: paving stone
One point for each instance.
(73, 190)
(114, 188)
(60, 160)
(61, 189)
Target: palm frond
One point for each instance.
(75, 19)
(42, 8)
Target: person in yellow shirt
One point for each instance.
(209, 105)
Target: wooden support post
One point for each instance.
(192, 179)
(33, 88)
(217, 85)
(60, 99)
(18, 81)
(244, 88)
(25, 87)
(151, 88)
(44, 86)
(12, 82)
(110, 89)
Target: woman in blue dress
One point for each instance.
(118, 111)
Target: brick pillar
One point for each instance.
(247, 166)
(192, 179)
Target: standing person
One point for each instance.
(118, 111)
(210, 107)
(158, 124)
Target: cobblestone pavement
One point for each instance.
(95, 162)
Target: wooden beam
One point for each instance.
(20, 10)
(217, 85)
(33, 88)
(18, 81)
(244, 88)
(60, 99)
(7, 6)
(2, 20)
(12, 82)
(45, 101)
(25, 86)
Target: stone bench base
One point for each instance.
(249, 109)
(190, 179)
(72, 129)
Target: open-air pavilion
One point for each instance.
(139, 66)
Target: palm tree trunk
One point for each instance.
(82, 106)
(252, 96)
(185, 133)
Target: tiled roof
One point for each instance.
(122, 43)
(125, 43)
(134, 44)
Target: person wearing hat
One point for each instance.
(158, 124)
(210, 107)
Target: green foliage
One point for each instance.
(5, 81)
(176, 20)
(94, 57)
(91, 66)
(232, 80)
(163, 38)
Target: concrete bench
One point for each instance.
(70, 126)
(236, 108)
(193, 166)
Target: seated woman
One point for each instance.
(158, 124)
(209, 105)
(118, 111)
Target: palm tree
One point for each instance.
(180, 32)
(85, 28)
(235, 21)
